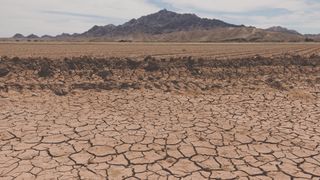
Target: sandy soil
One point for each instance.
(60, 50)
(153, 118)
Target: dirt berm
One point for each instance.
(180, 74)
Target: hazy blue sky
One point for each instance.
(57, 16)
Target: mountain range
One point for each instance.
(168, 26)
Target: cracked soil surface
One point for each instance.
(160, 119)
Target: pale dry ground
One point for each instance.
(148, 134)
(82, 118)
(136, 50)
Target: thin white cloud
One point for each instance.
(75, 16)
(304, 22)
(238, 5)
(31, 16)
(302, 15)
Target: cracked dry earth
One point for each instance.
(204, 120)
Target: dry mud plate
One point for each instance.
(170, 118)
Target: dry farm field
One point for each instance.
(161, 50)
(159, 111)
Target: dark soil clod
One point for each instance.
(45, 71)
(133, 64)
(4, 72)
(152, 66)
(275, 84)
(104, 74)
(127, 73)
(60, 91)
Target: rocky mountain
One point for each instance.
(161, 22)
(46, 36)
(174, 27)
(32, 36)
(282, 29)
(18, 36)
(233, 34)
(97, 31)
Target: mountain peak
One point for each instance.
(165, 21)
(163, 10)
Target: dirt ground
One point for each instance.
(169, 118)
(60, 50)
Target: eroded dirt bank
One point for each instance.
(63, 76)
(117, 119)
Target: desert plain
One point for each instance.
(159, 110)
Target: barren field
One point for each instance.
(161, 50)
(159, 111)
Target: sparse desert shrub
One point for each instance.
(125, 40)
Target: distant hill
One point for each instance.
(32, 36)
(174, 27)
(161, 22)
(17, 36)
(283, 30)
(313, 37)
